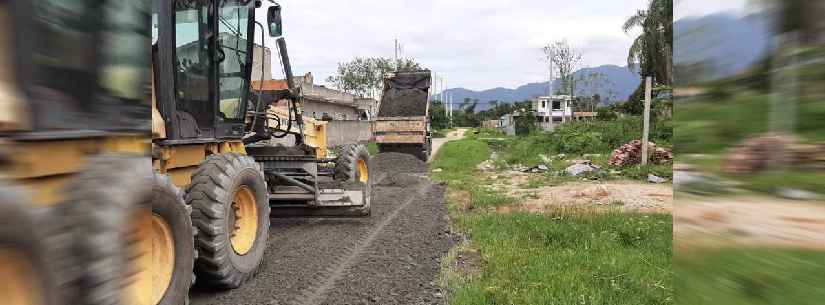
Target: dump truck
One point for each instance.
(403, 123)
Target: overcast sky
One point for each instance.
(477, 44)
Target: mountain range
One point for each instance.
(620, 82)
(721, 44)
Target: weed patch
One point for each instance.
(749, 276)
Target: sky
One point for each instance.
(477, 45)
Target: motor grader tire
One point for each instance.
(30, 276)
(352, 167)
(353, 163)
(231, 211)
(134, 238)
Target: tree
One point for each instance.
(652, 51)
(364, 77)
(438, 116)
(561, 57)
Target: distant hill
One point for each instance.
(621, 82)
(722, 45)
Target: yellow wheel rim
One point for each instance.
(20, 282)
(363, 171)
(246, 220)
(153, 259)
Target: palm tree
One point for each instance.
(652, 51)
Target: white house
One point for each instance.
(553, 110)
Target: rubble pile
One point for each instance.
(631, 154)
(759, 153)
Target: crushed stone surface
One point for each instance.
(395, 163)
(391, 257)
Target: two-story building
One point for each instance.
(553, 110)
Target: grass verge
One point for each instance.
(563, 258)
(749, 276)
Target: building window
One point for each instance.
(543, 104)
(556, 105)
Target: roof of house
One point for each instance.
(270, 85)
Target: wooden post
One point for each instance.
(645, 139)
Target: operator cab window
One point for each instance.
(233, 49)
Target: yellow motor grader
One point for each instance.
(239, 157)
(79, 202)
(118, 181)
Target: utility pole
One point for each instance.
(451, 109)
(443, 92)
(396, 55)
(550, 77)
(645, 134)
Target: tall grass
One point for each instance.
(712, 126)
(585, 137)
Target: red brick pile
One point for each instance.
(631, 154)
(773, 150)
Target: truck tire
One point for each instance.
(231, 211)
(133, 233)
(429, 150)
(29, 257)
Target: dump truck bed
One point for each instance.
(402, 116)
(401, 130)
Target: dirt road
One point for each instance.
(452, 136)
(750, 220)
(391, 257)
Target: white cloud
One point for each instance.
(476, 44)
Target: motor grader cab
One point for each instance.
(77, 208)
(223, 145)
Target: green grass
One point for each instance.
(564, 258)
(763, 182)
(372, 148)
(714, 125)
(528, 151)
(457, 161)
(568, 259)
(749, 276)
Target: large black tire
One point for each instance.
(23, 239)
(211, 194)
(347, 169)
(104, 203)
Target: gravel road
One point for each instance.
(391, 257)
